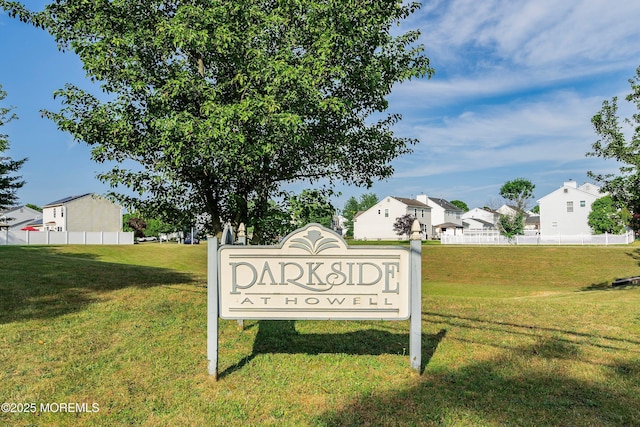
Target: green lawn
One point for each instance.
(512, 336)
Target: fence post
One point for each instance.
(415, 332)
(212, 306)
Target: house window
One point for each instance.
(54, 212)
(582, 203)
(61, 212)
(378, 211)
(422, 213)
(415, 213)
(386, 213)
(554, 224)
(569, 206)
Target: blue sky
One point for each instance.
(516, 84)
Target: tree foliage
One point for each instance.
(9, 182)
(460, 204)
(402, 226)
(511, 226)
(135, 224)
(606, 217)
(623, 145)
(352, 206)
(310, 206)
(147, 227)
(222, 103)
(518, 191)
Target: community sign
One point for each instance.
(314, 274)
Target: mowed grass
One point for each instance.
(511, 336)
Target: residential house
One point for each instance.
(87, 212)
(566, 210)
(445, 217)
(508, 210)
(480, 220)
(20, 217)
(376, 223)
(532, 222)
(338, 224)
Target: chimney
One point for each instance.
(422, 198)
(571, 183)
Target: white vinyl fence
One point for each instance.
(494, 238)
(65, 238)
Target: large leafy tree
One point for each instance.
(623, 145)
(9, 181)
(223, 102)
(606, 217)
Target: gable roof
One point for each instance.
(16, 208)
(585, 189)
(66, 200)
(411, 202)
(445, 204)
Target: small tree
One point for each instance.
(353, 206)
(511, 225)
(519, 192)
(9, 183)
(403, 224)
(606, 217)
(135, 224)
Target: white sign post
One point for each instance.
(314, 274)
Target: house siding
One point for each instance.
(566, 210)
(377, 222)
(85, 213)
(93, 213)
(442, 212)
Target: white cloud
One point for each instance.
(554, 130)
(537, 34)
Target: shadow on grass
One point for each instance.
(39, 283)
(602, 286)
(609, 286)
(603, 341)
(280, 336)
(532, 384)
(513, 389)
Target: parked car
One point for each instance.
(187, 241)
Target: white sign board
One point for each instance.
(314, 274)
